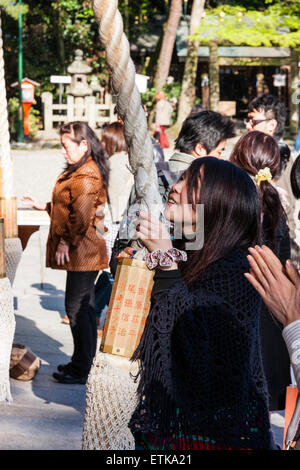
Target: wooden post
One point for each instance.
(47, 100)
(1, 182)
(8, 210)
(214, 76)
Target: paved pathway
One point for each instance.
(44, 415)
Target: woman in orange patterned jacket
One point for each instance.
(75, 241)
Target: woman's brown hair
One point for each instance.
(81, 131)
(253, 152)
(113, 138)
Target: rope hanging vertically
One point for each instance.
(113, 39)
(5, 154)
(111, 391)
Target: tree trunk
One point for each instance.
(126, 19)
(167, 47)
(188, 90)
(58, 33)
(214, 79)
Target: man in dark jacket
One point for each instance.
(202, 134)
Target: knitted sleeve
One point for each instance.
(165, 279)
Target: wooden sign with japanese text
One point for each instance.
(128, 308)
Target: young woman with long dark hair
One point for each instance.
(202, 384)
(259, 155)
(73, 244)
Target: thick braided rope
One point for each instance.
(5, 155)
(129, 107)
(111, 392)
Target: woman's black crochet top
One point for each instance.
(201, 369)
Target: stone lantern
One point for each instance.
(79, 70)
(79, 87)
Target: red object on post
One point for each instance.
(28, 87)
(26, 108)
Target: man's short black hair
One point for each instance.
(273, 108)
(207, 128)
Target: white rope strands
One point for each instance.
(5, 154)
(113, 39)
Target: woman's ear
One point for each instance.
(84, 145)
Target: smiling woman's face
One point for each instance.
(72, 152)
(178, 209)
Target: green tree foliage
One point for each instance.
(54, 29)
(277, 25)
(137, 14)
(13, 9)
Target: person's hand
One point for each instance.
(278, 287)
(62, 254)
(128, 252)
(153, 233)
(33, 202)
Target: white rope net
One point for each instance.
(110, 402)
(13, 254)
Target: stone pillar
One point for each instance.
(108, 99)
(90, 106)
(70, 108)
(47, 100)
(214, 76)
(79, 108)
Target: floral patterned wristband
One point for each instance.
(164, 259)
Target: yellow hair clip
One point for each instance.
(263, 175)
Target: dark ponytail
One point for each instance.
(81, 131)
(253, 152)
(272, 211)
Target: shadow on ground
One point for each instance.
(49, 350)
(51, 298)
